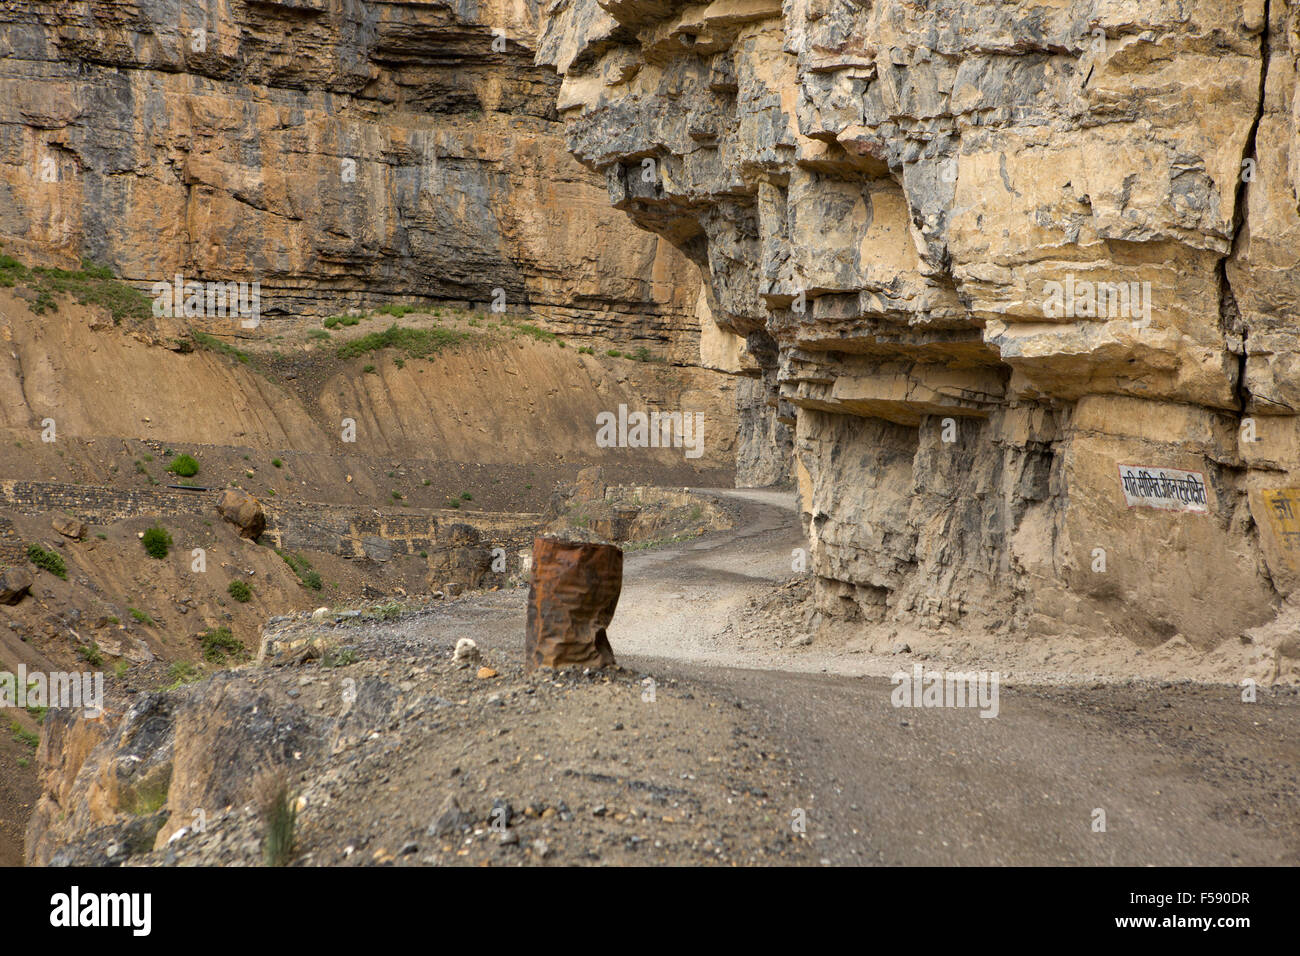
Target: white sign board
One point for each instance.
(1169, 489)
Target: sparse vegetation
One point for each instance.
(301, 567)
(276, 463)
(214, 344)
(339, 658)
(141, 616)
(387, 612)
(276, 806)
(47, 560)
(240, 591)
(417, 343)
(157, 542)
(614, 353)
(536, 332)
(396, 310)
(23, 736)
(218, 644)
(89, 285)
(91, 654)
(182, 672)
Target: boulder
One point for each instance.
(14, 585)
(243, 511)
(68, 527)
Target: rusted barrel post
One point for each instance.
(571, 600)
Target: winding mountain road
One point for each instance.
(1184, 773)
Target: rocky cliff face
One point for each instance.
(340, 152)
(984, 254)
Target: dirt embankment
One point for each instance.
(398, 755)
(501, 392)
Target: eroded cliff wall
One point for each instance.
(341, 152)
(985, 254)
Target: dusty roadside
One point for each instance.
(400, 755)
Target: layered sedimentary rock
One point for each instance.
(983, 254)
(340, 152)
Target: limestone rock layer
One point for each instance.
(340, 152)
(982, 254)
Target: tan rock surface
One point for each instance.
(341, 154)
(983, 254)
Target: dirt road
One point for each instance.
(1185, 773)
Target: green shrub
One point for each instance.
(48, 560)
(218, 643)
(276, 463)
(396, 311)
(302, 567)
(240, 591)
(157, 542)
(182, 672)
(92, 655)
(140, 616)
(614, 353)
(542, 335)
(184, 465)
(214, 344)
(22, 736)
